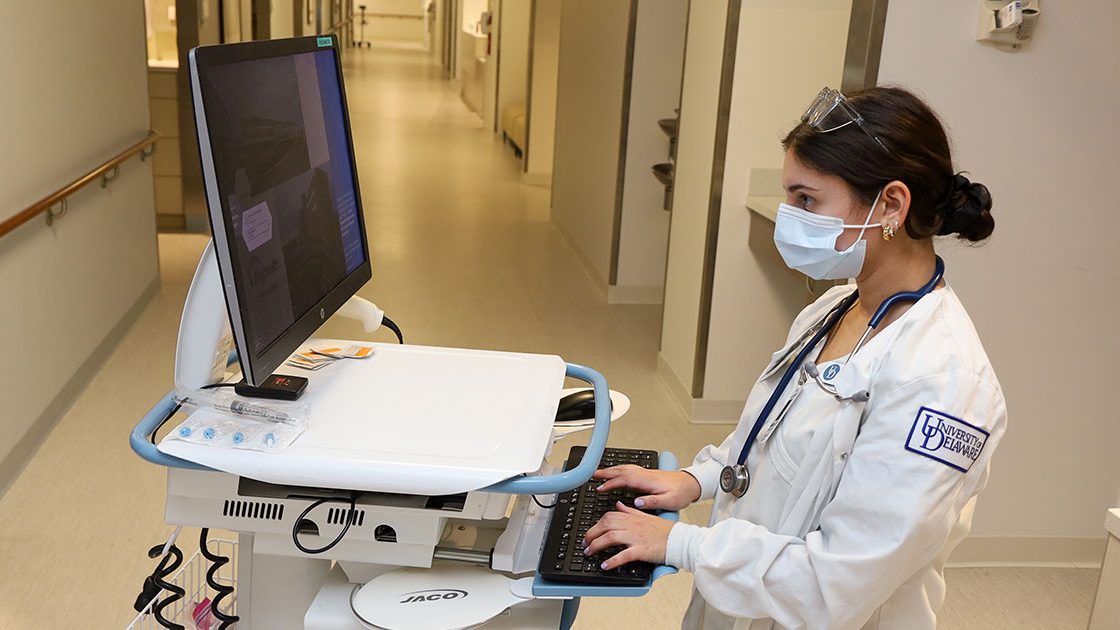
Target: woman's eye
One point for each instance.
(805, 201)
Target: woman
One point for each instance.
(862, 469)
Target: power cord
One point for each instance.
(173, 411)
(538, 502)
(350, 514)
(216, 563)
(171, 558)
(178, 406)
(391, 325)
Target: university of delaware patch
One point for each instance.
(949, 440)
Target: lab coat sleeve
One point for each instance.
(892, 514)
(707, 465)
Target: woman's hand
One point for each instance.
(644, 536)
(664, 490)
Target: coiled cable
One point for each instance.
(216, 563)
(168, 564)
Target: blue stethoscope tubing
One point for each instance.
(730, 475)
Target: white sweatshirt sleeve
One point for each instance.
(892, 515)
(707, 465)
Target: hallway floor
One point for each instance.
(463, 255)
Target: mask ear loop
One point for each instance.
(863, 228)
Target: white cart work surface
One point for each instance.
(409, 420)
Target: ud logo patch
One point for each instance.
(831, 371)
(949, 440)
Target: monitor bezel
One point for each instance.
(256, 367)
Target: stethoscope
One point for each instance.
(735, 479)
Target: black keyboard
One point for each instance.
(576, 511)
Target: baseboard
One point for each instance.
(170, 223)
(543, 180)
(1023, 551)
(618, 294)
(13, 464)
(588, 267)
(677, 389)
(197, 223)
(716, 411)
(697, 410)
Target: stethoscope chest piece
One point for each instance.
(735, 480)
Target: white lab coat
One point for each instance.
(853, 507)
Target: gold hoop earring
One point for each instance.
(889, 230)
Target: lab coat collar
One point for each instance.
(814, 318)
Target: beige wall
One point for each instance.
(471, 10)
(588, 127)
(490, 69)
(280, 19)
(65, 287)
(755, 297)
(1038, 127)
(655, 88)
(707, 23)
(513, 70)
(542, 117)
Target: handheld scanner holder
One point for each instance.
(206, 342)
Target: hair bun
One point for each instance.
(967, 212)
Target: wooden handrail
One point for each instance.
(398, 16)
(45, 203)
(339, 25)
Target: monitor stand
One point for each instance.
(205, 338)
(275, 387)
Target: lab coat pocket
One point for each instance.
(817, 469)
(783, 462)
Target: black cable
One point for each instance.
(179, 406)
(174, 411)
(391, 325)
(337, 539)
(216, 563)
(537, 501)
(156, 582)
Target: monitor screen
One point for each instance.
(279, 170)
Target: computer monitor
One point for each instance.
(282, 190)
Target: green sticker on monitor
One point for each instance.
(324, 41)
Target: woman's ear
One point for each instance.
(895, 201)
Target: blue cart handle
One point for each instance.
(551, 484)
(139, 438)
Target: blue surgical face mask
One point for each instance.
(807, 242)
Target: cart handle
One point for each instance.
(548, 484)
(551, 484)
(139, 438)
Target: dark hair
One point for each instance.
(942, 202)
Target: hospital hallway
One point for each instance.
(463, 254)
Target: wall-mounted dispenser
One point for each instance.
(1007, 25)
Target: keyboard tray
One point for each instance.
(553, 588)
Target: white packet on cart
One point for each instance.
(211, 427)
(223, 399)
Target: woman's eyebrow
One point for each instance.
(796, 187)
